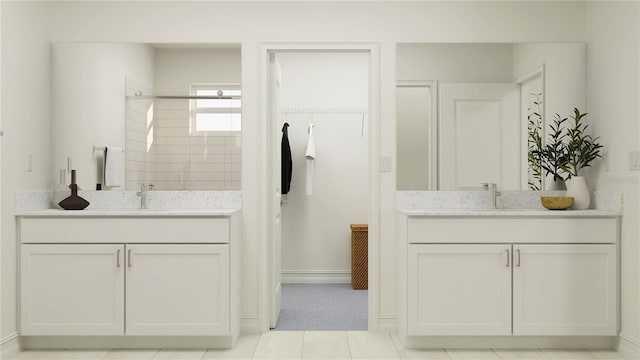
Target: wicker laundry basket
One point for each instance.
(359, 256)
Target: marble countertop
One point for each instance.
(509, 212)
(128, 212)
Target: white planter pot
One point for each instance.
(577, 187)
(554, 185)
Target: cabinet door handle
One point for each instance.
(129, 258)
(118, 258)
(518, 251)
(507, 250)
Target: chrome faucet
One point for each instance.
(493, 188)
(143, 194)
(494, 195)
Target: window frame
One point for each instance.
(194, 110)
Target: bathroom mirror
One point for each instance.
(173, 109)
(463, 110)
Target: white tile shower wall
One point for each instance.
(136, 112)
(180, 160)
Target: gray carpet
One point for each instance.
(322, 307)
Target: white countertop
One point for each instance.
(127, 212)
(508, 212)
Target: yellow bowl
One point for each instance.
(557, 202)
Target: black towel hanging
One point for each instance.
(287, 163)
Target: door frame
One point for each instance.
(523, 84)
(264, 129)
(433, 121)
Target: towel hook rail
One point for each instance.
(101, 148)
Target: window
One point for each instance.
(223, 113)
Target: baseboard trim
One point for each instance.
(249, 324)
(316, 276)
(628, 347)
(9, 345)
(387, 322)
(509, 342)
(126, 342)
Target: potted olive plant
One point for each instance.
(553, 155)
(568, 149)
(581, 150)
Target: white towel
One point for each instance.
(311, 145)
(310, 154)
(113, 166)
(309, 187)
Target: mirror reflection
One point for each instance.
(174, 108)
(184, 132)
(465, 112)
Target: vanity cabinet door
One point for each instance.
(177, 289)
(564, 289)
(459, 289)
(72, 289)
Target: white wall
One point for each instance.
(613, 94)
(455, 62)
(177, 68)
(316, 238)
(88, 102)
(565, 74)
(25, 120)
(253, 22)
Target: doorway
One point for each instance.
(309, 211)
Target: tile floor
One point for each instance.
(282, 345)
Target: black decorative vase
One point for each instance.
(73, 202)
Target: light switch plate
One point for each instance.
(29, 164)
(385, 163)
(634, 160)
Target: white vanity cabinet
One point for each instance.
(506, 276)
(156, 276)
(71, 289)
(177, 289)
(564, 289)
(459, 289)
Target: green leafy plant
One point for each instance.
(568, 149)
(582, 149)
(553, 155)
(534, 142)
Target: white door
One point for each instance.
(72, 290)
(275, 178)
(480, 139)
(461, 289)
(564, 290)
(177, 289)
